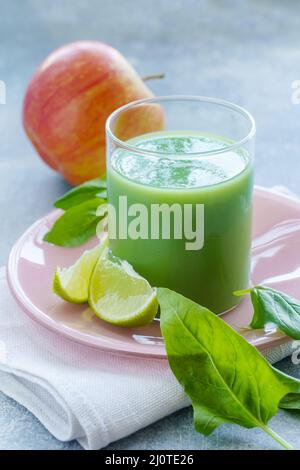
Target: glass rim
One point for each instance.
(172, 98)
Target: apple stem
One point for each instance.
(156, 76)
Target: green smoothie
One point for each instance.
(222, 183)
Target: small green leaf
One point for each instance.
(291, 401)
(225, 377)
(77, 225)
(82, 193)
(271, 306)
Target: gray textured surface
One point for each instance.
(247, 52)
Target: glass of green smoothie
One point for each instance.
(180, 178)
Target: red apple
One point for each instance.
(68, 101)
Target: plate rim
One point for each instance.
(38, 316)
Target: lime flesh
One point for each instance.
(120, 296)
(72, 284)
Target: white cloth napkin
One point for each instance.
(81, 393)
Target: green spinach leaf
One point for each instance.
(82, 193)
(225, 377)
(291, 401)
(77, 225)
(272, 306)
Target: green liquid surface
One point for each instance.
(222, 182)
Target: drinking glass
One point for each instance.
(180, 178)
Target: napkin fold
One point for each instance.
(83, 393)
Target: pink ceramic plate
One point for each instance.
(275, 262)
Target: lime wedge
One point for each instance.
(72, 284)
(120, 296)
